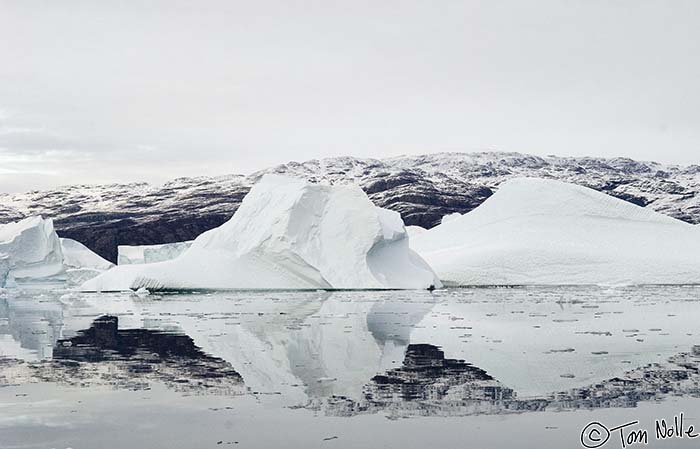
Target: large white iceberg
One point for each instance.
(33, 251)
(127, 255)
(289, 234)
(537, 231)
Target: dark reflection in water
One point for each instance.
(104, 341)
(427, 375)
(344, 354)
(428, 384)
(132, 358)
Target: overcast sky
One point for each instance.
(105, 91)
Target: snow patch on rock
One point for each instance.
(289, 234)
(536, 231)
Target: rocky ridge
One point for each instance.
(422, 188)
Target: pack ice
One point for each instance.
(30, 251)
(537, 231)
(289, 234)
(150, 253)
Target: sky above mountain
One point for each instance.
(96, 92)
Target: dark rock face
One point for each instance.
(103, 217)
(421, 201)
(422, 188)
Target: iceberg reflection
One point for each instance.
(342, 354)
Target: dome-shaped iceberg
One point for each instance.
(538, 231)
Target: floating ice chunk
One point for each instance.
(150, 253)
(289, 234)
(33, 251)
(536, 231)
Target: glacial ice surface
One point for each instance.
(32, 251)
(537, 231)
(289, 234)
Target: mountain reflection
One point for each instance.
(104, 341)
(133, 358)
(429, 385)
(339, 354)
(427, 375)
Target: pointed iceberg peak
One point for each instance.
(290, 234)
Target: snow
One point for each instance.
(289, 234)
(33, 251)
(150, 253)
(537, 231)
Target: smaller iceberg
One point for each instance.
(289, 234)
(129, 255)
(32, 252)
(80, 262)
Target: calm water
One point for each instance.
(482, 368)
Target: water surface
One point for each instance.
(459, 368)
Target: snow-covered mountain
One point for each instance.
(422, 188)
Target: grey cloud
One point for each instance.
(160, 89)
